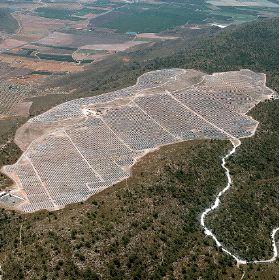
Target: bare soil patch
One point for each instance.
(113, 47)
(34, 28)
(11, 43)
(155, 36)
(40, 65)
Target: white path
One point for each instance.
(207, 231)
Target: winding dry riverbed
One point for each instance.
(207, 231)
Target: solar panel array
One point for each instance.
(108, 133)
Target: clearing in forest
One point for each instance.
(83, 146)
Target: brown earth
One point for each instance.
(40, 65)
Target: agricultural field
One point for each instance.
(159, 16)
(7, 22)
(56, 37)
(75, 33)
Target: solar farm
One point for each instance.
(83, 146)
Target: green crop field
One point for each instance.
(105, 3)
(57, 13)
(7, 22)
(143, 17)
(149, 18)
(243, 14)
(86, 11)
(67, 58)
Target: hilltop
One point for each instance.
(148, 227)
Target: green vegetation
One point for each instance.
(249, 212)
(23, 52)
(105, 4)
(145, 229)
(143, 17)
(253, 45)
(39, 72)
(30, 53)
(86, 11)
(149, 228)
(56, 57)
(57, 13)
(7, 22)
(61, 1)
(243, 14)
(85, 61)
(11, 152)
(153, 18)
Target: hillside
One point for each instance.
(145, 228)
(253, 200)
(148, 227)
(109, 133)
(253, 45)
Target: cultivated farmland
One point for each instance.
(89, 31)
